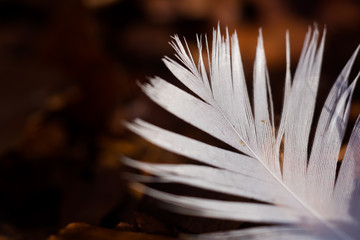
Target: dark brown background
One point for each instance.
(68, 72)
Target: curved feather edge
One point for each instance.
(215, 113)
(213, 179)
(258, 233)
(228, 210)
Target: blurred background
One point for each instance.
(68, 73)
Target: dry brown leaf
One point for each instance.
(82, 231)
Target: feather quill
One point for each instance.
(298, 192)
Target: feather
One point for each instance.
(259, 233)
(298, 193)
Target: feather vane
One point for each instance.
(298, 192)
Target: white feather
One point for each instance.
(219, 180)
(298, 190)
(258, 233)
(225, 209)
